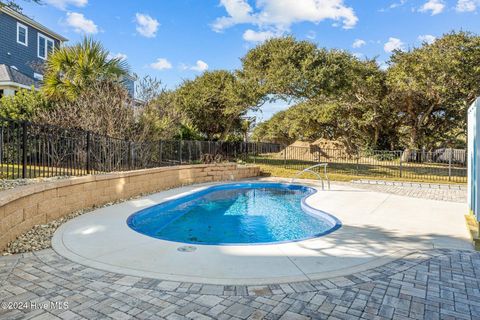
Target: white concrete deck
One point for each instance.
(377, 228)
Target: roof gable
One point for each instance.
(32, 23)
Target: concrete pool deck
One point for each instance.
(377, 228)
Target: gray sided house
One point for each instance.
(24, 46)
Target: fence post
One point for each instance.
(129, 158)
(358, 162)
(160, 153)
(285, 157)
(24, 149)
(401, 156)
(88, 153)
(180, 151)
(450, 165)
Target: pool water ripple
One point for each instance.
(236, 214)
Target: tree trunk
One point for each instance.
(376, 137)
(412, 145)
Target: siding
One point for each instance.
(20, 56)
(130, 86)
(24, 58)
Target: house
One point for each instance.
(24, 46)
(128, 82)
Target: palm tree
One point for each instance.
(71, 69)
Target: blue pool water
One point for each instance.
(243, 213)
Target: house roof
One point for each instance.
(11, 76)
(26, 20)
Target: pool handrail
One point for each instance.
(309, 169)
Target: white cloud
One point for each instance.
(200, 66)
(257, 36)
(81, 24)
(358, 43)
(161, 64)
(393, 5)
(428, 38)
(467, 5)
(146, 25)
(393, 44)
(121, 56)
(434, 6)
(397, 4)
(311, 35)
(239, 11)
(279, 15)
(63, 4)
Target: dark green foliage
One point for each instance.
(419, 101)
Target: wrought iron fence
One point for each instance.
(29, 150)
(448, 165)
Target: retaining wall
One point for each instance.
(23, 207)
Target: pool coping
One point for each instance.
(59, 245)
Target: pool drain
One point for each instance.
(187, 249)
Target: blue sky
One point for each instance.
(178, 39)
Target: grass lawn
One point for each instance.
(14, 171)
(337, 170)
(354, 171)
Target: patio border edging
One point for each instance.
(23, 207)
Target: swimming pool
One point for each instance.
(240, 213)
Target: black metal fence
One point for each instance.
(30, 150)
(447, 165)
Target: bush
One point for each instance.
(23, 106)
(381, 155)
(104, 108)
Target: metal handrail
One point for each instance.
(309, 169)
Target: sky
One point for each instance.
(174, 40)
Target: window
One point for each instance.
(38, 76)
(1, 93)
(45, 46)
(22, 34)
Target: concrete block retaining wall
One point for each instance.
(23, 207)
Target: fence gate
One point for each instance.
(474, 158)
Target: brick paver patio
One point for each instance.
(434, 284)
(443, 192)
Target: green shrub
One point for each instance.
(22, 106)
